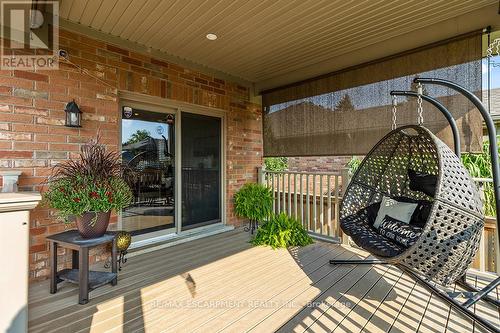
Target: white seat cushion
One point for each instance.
(401, 211)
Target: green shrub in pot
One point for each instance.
(282, 231)
(88, 188)
(254, 202)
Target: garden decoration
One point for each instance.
(88, 188)
(123, 240)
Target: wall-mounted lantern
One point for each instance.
(73, 115)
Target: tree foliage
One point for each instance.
(479, 165)
(138, 136)
(276, 163)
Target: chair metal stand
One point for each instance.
(472, 295)
(449, 297)
(358, 262)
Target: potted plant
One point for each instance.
(254, 202)
(282, 231)
(88, 188)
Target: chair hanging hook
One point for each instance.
(420, 110)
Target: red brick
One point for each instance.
(115, 49)
(15, 136)
(64, 147)
(30, 128)
(37, 248)
(89, 41)
(51, 87)
(131, 61)
(159, 62)
(50, 138)
(31, 111)
(53, 105)
(15, 82)
(30, 145)
(16, 100)
(5, 90)
(15, 154)
(16, 118)
(31, 76)
(68, 35)
(5, 145)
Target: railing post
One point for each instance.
(261, 175)
(346, 179)
(345, 182)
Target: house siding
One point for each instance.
(33, 137)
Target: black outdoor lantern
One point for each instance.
(73, 115)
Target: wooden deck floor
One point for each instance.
(221, 283)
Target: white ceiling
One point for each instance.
(275, 42)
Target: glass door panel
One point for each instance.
(148, 143)
(201, 170)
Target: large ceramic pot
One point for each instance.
(93, 224)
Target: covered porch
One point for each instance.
(234, 287)
(194, 96)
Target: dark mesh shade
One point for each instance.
(346, 112)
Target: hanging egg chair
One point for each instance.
(449, 216)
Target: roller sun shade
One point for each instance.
(347, 112)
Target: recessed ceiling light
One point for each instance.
(211, 36)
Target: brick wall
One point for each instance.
(318, 163)
(33, 137)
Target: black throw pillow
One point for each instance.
(372, 212)
(422, 182)
(421, 214)
(399, 232)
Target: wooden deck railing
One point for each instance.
(488, 255)
(314, 199)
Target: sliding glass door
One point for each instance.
(171, 192)
(148, 155)
(201, 170)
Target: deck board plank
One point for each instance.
(226, 268)
(338, 310)
(257, 289)
(288, 300)
(360, 314)
(256, 275)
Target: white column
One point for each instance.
(14, 250)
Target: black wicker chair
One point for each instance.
(452, 228)
(451, 235)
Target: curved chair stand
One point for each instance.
(455, 219)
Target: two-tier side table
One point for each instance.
(80, 273)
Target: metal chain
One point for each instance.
(420, 110)
(394, 110)
(493, 48)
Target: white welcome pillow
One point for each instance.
(401, 211)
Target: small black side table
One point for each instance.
(80, 274)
